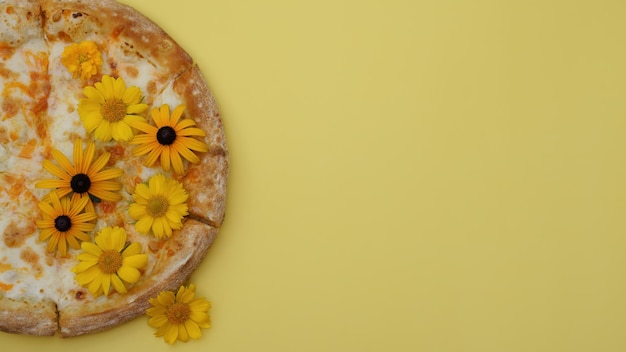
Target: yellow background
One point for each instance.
(409, 176)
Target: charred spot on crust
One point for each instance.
(80, 295)
(77, 14)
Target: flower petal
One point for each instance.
(185, 295)
(176, 114)
(119, 87)
(142, 191)
(193, 144)
(193, 329)
(182, 333)
(87, 276)
(135, 261)
(118, 238)
(165, 158)
(57, 171)
(97, 165)
(157, 320)
(103, 131)
(166, 298)
(51, 184)
(132, 95)
(106, 284)
(136, 109)
(144, 224)
(137, 211)
(188, 132)
(177, 164)
(118, 285)
(121, 131)
(172, 334)
(63, 161)
(129, 274)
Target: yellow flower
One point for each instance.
(180, 316)
(160, 205)
(109, 109)
(82, 60)
(109, 262)
(64, 222)
(85, 178)
(170, 140)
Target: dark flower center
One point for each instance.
(62, 223)
(166, 135)
(80, 183)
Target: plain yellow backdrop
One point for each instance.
(409, 176)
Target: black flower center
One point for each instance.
(62, 223)
(80, 183)
(166, 135)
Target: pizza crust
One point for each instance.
(189, 247)
(28, 317)
(205, 181)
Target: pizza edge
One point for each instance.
(194, 239)
(205, 181)
(29, 317)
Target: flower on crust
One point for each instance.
(64, 222)
(179, 316)
(170, 140)
(82, 59)
(109, 108)
(84, 178)
(109, 262)
(159, 206)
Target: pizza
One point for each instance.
(113, 165)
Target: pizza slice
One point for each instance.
(171, 259)
(27, 272)
(89, 39)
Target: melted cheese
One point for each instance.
(24, 268)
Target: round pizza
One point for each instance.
(113, 166)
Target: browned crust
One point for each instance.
(190, 247)
(205, 181)
(74, 20)
(28, 317)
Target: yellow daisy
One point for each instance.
(109, 109)
(179, 316)
(159, 206)
(109, 262)
(171, 139)
(64, 223)
(82, 59)
(85, 178)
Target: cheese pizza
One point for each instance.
(113, 165)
